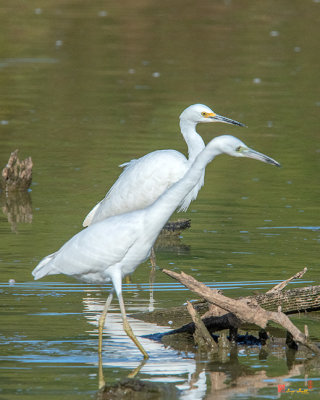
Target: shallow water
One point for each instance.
(86, 87)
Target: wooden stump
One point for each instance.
(16, 175)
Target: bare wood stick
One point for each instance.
(281, 285)
(306, 331)
(251, 313)
(201, 335)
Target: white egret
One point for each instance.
(145, 179)
(113, 248)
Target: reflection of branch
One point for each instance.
(171, 243)
(246, 312)
(17, 207)
(169, 238)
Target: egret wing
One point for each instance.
(93, 250)
(140, 184)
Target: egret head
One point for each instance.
(234, 147)
(201, 113)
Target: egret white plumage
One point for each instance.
(145, 179)
(111, 249)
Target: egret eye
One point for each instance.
(238, 148)
(204, 114)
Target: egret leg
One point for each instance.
(152, 277)
(153, 259)
(127, 327)
(102, 320)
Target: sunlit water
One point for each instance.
(86, 87)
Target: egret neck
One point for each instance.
(166, 204)
(193, 139)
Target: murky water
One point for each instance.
(86, 86)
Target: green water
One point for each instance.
(86, 86)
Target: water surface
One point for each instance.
(88, 86)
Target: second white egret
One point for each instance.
(145, 179)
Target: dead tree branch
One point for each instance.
(245, 310)
(283, 284)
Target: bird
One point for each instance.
(144, 179)
(114, 247)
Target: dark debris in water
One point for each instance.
(251, 340)
(131, 389)
(248, 340)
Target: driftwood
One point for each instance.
(16, 175)
(291, 301)
(201, 335)
(175, 227)
(244, 310)
(281, 285)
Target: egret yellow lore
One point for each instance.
(145, 179)
(113, 248)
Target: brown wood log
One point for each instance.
(16, 175)
(281, 285)
(291, 301)
(201, 335)
(245, 311)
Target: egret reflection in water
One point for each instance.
(145, 179)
